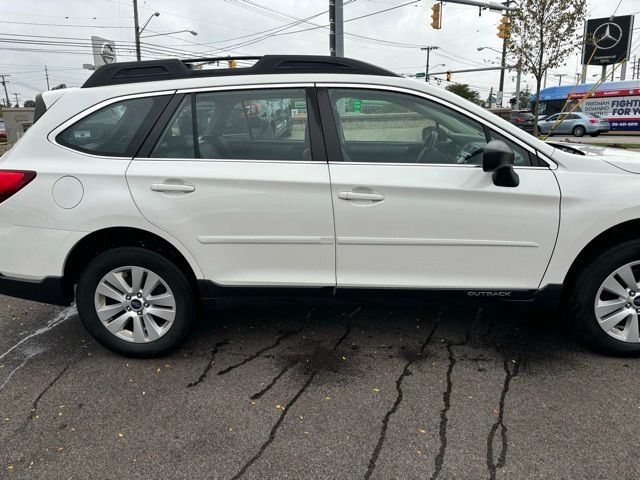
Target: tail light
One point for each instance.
(12, 181)
(594, 120)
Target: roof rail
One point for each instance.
(173, 68)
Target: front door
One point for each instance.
(413, 208)
(234, 175)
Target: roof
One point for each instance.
(563, 91)
(173, 68)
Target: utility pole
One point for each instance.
(46, 75)
(136, 27)
(336, 28)
(428, 49)
(518, 79)
(560, 75)
(16, 95)
(4, 84)
(503, 62)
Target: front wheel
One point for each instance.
(605, 300)
(578, 131)
(135, 302)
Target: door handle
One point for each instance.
(172, 187)
(373, 197)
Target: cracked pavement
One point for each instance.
(438, 391)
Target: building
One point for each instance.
(17, 121)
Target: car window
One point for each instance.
(390, 127)
(248, 125)
(551, 118)
(115, 130)
(177, 139)
(521, 157)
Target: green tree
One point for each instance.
(523, 100)
(29, 103)
(544, 34)
(464, 91)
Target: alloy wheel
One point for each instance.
(617, 304)
(135, 304)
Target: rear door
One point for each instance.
(243, 185)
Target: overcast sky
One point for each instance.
(56, 33)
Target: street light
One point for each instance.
(504, 55)
(489, 48)
(155, 14)
(170, 33)
(138, 31)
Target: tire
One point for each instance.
(167, 309)
(578, 131)
(588, 288)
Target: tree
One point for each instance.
(464, 91)
(544, 33)
(29, 103)
(523, 100)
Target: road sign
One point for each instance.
(421, 75)
(609, 38)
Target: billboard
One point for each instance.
(607, 40)
(104, 51)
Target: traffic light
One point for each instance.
(233, 64)
(448, 75)
(504, 29)
(436, 16)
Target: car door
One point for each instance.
(565, 124)
(545, 125)
(423, 214)
(252, 206)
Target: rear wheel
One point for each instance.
(605, 300)
(578, 131)
(135, 302)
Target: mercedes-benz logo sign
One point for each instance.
(107, 53)
(607, 36)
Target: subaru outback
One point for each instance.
(150, 192)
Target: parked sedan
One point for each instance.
(523, 120)
(577, 124)
(3, 132)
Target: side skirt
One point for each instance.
(224, 296)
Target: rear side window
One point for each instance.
(268, 124)
(115, 130)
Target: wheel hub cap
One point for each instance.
(617, 304)
(135, 304)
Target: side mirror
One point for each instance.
(498, 158)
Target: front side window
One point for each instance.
(390, 127)
(243, 125)
(114, 130)
(521, 157)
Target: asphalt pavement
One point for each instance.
(433, 392)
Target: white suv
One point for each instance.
(151, 191)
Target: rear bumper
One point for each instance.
(49, 290)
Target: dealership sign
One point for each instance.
(104, 51)
(607, 40)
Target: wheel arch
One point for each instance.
(113, 237)
(622, 232)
